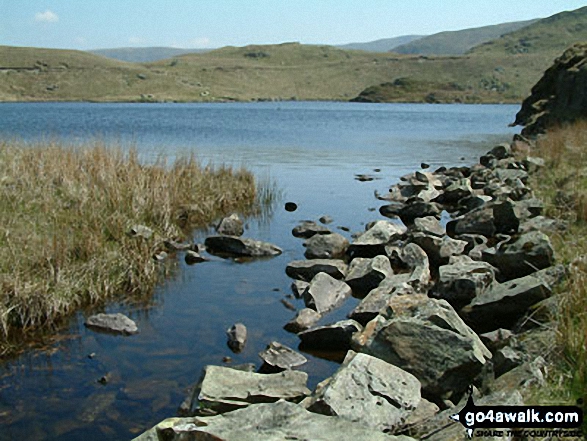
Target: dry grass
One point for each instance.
(64, 217)
(563, 186)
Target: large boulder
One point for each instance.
(368, 391)
(335, 337)
(417, 261)
(268, 422)
(366, 274)
(505, 303)
(326, 246)
(439, 249)
(373, 241)
(325, 293)
(478, 221)
(233, 246)
(224, 389)
(521, 256)
(307, 269)
(427, 338)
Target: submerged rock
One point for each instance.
(112, 323)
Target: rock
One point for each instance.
(291, 206)
(335, 337)
(473, 202)
(298, 287)
(391, 210)
(428, 225)
(508, 176)
(504, 303)
(439, 250)
(424, 165)
(366, 274)
(287, 304)
(501, 151)
(533, 164)
(325, 293)
(479, 221)
(224, 389)
(417, 261)
(373, 241)
(307, 229)
(112, 323)
(364, 178)
(326, 219)
(462, 280)
(193, 257)
(237, 337)
(278, 357)
(417, 209)
(304, 319)
(174, 246)
(268, 422)
(415, 333)
(521, 256)
(559, 96)
(370, 306)
(306, 269)
(369, 391)
(497, 339)
(456, 191)
(505, 359)
(231, 226)
(544, 224)
(326, 246)
(140, 231)
(238, 247)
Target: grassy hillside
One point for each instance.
(144, 54)
(382, 45)
(458, 42)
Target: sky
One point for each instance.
(99, 24)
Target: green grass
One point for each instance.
(65, 217)
(562, 184)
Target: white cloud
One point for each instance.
(46, 17)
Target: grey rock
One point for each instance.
(456, 191)
(366, 274)
(280, 357)
(521, 256)
(479, 221)
(304, 319)
(417, 209)
(504, 304)
(501, 151)
(497, 339)
(298, 287)
(532, 164)
(439, 250)
(544, 224)
(268, 422)
(231, 226)
(237, 337)
(392, 210)
(238, 247)
(193, 257)
(173, 246)
(326, 246)
(473, 202)
(373, 241)
(509, 176)
(415, 333)
(417, 261)
(505, 359)
(334, 337)
(429, 225)
(224, 389)
(140, 231)
(112, 323)
(462, 280)
(326, 219)
(306, 269)
(368, 391)
(307, 229)
(377, 299)
(325, 293)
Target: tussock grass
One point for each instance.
(65, 214)
(563, 186)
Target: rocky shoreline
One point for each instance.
(444, 306)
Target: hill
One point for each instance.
(458, 42)
(144, 54)
(382, 45)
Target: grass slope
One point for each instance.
(458, 42)
(144, 54)
(382, 45)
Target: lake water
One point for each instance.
(312, 152)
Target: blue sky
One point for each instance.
(94, 24)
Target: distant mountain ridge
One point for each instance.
(382, 45)
(458, 42)
(144, 54)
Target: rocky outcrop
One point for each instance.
(560, 96)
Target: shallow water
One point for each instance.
(312, 151)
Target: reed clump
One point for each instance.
(65, 214)
(562, 184)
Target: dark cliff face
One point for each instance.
(560, 96)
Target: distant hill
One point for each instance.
(458, 42)
(383, 45)
(549, 36)
(144, 54)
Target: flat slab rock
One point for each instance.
(307, 269)
(281, 357)
(268, 422)
(333, 337)
(224, 389)
(240, 247)
(112, 323)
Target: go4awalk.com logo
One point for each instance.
(520, 421)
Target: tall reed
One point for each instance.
(64, 217)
